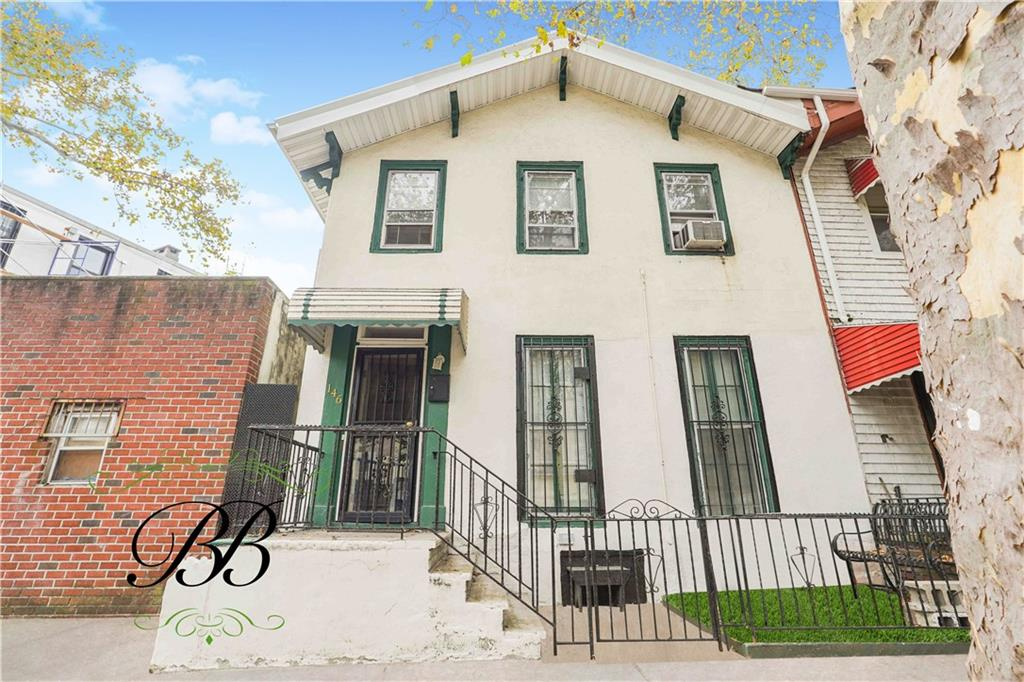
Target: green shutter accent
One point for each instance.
(435, 416)
(581, 205)
(382, 191)
(339, 375)
(563, 77)
(675, 117)
(723, 215)
(453, 97)
(787, 157)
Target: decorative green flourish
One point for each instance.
(554, 407)
(207, 627)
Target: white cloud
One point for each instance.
(227, 128)
(190, 59)
(86, 12)
(289, 276)
(39, 176)
(260, 210)
(177, 95)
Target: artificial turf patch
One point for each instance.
(814, 614)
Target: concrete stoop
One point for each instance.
(331, 597)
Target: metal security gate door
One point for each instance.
(380, 464)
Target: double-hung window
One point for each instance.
(729, 458)
(559, 444)
(552, 216)
(410, 207)
(690, 192)
(81, 432)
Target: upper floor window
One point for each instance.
(81, 432)
(410, 207)
(91, 258)
(10, 225)
(693, 217)
(551, 208)
(878, 210)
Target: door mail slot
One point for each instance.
(438, 386)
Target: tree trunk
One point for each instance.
(942, 91)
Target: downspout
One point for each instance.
(812, 203)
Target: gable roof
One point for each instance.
(749, 118)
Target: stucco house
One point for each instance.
(863, 280)
(552, 287)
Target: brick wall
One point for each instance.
(177, 352)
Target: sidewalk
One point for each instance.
(114, 649)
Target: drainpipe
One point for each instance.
(812, 203)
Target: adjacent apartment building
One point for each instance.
(863, 281)
(39, 239)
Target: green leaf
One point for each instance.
(466, 58)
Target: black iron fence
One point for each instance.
(646, 571)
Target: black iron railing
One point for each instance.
(645, 572)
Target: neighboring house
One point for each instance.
(863, 279)
(39, 239)
(587, 269)
(121, 396)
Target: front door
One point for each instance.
(380, 464)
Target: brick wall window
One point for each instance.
(81, 432)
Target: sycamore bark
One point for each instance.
(942, 89)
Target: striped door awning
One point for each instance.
(313, 311)
(863, 175)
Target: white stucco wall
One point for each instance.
(767, 291)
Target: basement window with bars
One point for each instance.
(410, 206)
(559, 445)
(81, 432)
(729, 458)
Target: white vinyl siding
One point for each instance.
(893, 444)
(872, 283)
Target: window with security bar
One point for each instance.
(81, 432)
(729, 455)
(558, 437)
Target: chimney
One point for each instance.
(169, 252)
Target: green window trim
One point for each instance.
(716, 183)
(522, 167)
(765, 471)
(596, 507)
(382, 191)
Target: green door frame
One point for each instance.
(435, 416)
(339, 377)
(336, 397)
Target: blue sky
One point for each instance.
(220, 71)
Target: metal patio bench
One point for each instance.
(910, 542)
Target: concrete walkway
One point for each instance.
(114, 649)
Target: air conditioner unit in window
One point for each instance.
(703, 235)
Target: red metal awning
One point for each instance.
(863, 175)
(873, 354)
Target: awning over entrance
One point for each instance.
(863, 175)
(873, 354)
(313, 311)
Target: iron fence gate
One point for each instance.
(649, 572)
